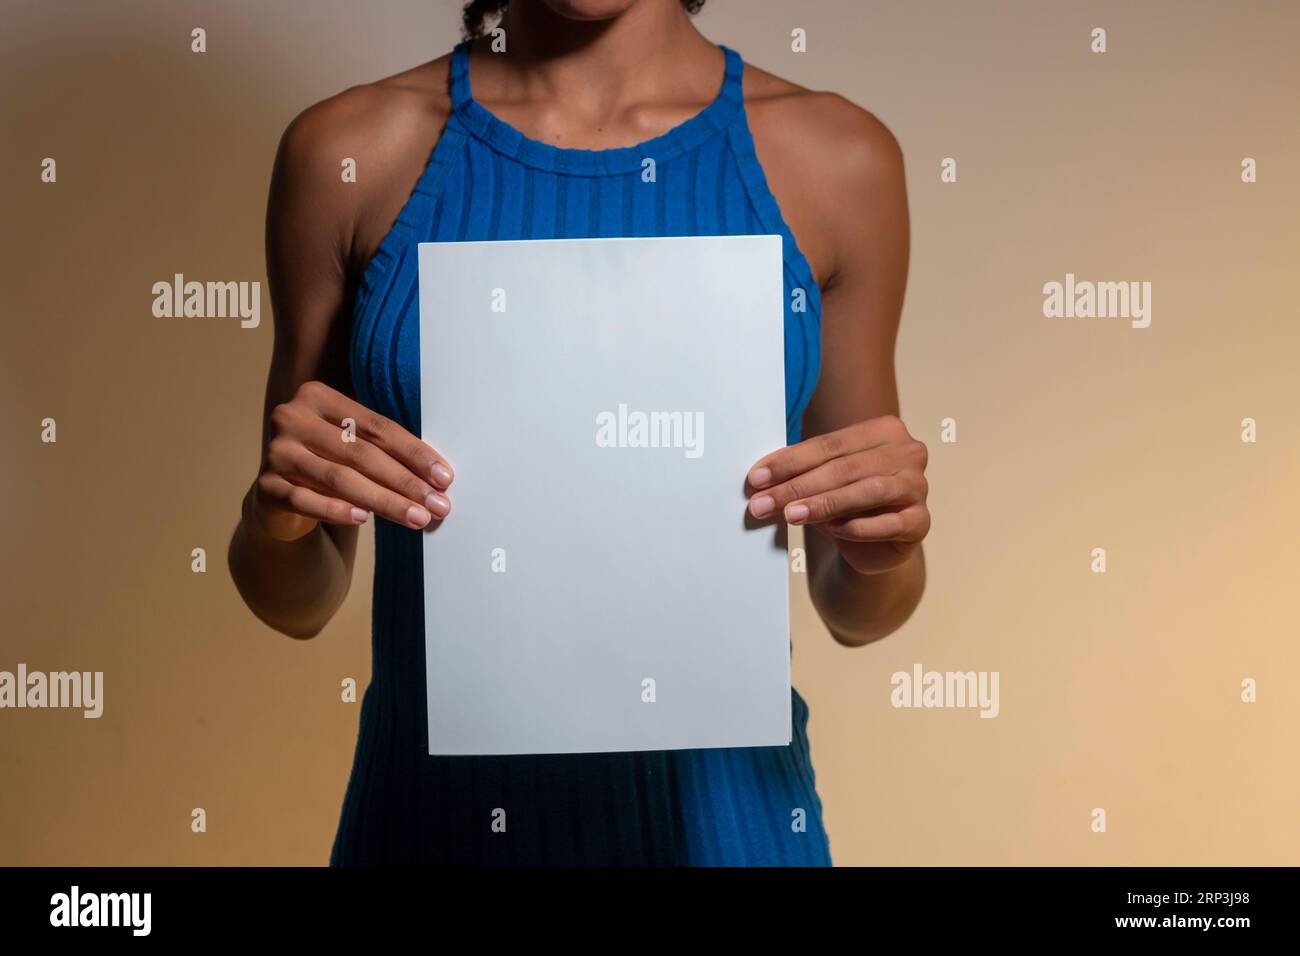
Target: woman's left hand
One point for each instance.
(864, 485)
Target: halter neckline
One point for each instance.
(508, 140)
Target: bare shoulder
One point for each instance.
(830, 133)
(356, 155)
(826, 159)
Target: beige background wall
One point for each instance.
(1119, 691)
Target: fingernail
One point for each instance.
(359, 516)
(441, 473)
(417, 516)
(438, 504)
(760, 477)
(762, 505)
(796, 513)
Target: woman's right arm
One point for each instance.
(292, 552)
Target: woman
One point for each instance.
(547, 140)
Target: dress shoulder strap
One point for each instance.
(733, 81)
(458, 78)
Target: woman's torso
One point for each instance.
(486, 181)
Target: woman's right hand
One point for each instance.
(312, 472)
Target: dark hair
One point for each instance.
(476, 11)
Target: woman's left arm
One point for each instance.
(856, 483)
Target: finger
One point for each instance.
(302, 467)
(387, 434)
(833, 474)
(909, 524)
(284, 494)
(326, 441)
(784, 463)
(866, 494)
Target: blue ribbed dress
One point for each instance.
(742, 806)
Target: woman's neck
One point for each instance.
(649, 53)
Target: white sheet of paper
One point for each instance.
(579, 561)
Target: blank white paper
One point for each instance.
(596, 586)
